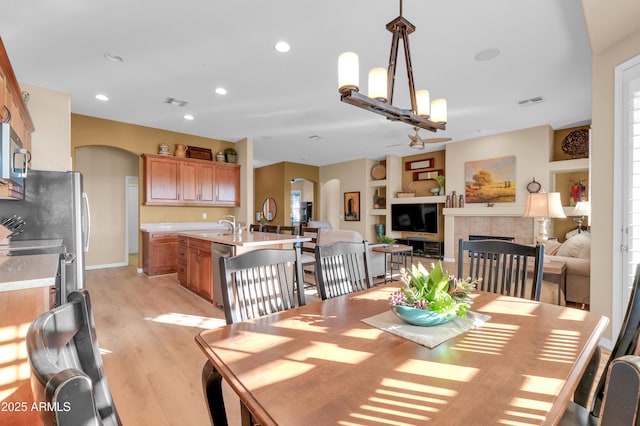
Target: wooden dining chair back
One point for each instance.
(308, 251)
(255, 227)
(287, 230)
(261, 282)
(256, 283)
(626, 344)
(67, 372)
(621, 400)
(342, 268)
(270, 228)
(503, 267)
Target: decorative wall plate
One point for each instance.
(576, 143)
(379, 172)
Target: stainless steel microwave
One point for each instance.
(14, 161)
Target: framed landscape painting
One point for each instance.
(490, 181)
(352, 206)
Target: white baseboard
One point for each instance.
(110, 265)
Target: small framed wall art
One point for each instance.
(352, 206)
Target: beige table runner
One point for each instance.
(426, 336)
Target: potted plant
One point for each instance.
(431, 297)
(384, 239)
(440, 180)
(231, 155)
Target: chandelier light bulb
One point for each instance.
(378, 84)
(348, 70)
(439, 110)
(423, 103)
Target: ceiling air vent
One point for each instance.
(175, 102)
(531, 101)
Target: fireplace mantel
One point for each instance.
(472, 210)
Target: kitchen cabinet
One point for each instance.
(12, 103)
(160, 253)
(198, 183)
(162, 178)
(199, 273)
(227, 185)
(189, 182)
(182, 260)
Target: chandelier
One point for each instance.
(423, 113)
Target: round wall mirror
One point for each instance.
(269, 209)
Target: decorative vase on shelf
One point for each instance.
(180, 151)
(435, 191)
(441, 191)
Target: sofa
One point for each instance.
(376, 259)
(576, 253)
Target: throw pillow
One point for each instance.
(551, 247)
(577, 246)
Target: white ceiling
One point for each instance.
(186, 49)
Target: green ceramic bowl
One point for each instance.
(415, 316)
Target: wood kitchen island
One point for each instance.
(199, 253)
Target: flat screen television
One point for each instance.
(419, 217)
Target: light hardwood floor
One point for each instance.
(146, 328)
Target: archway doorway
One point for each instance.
(302, 206)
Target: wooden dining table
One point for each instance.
(319, 364)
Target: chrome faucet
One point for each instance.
(230, 222)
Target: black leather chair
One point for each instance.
(66, 366)
(255, 283)
(579, 411)
(504, 267)
(342, 268)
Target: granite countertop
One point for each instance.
(31, 244)
(184, 226)
(244, 239)
(21, 272)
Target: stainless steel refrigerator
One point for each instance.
(55, 207)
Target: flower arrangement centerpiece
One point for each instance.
(431, 298)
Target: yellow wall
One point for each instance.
(91, 131)
(104, 171)
(275, 181)
(422, 187)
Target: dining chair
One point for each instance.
(270, 228)
(580, 410)
(256, 283)
(308, 250)
(286, 229)
(66, 366)
(503, 267)
(255, 227)
(342, 268)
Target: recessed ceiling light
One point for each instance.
(221, 91)
(487, 55)
(114, 58)
(315, 137)
(282, 47)
(188, 117)
(102, 97)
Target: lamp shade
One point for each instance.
(348, 72)
(378, 84)
(543, 204)
(582, 208)
(439, 110)
(423, 103)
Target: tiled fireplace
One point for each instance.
(460, 223)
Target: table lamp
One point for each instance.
(542, 206)
(582, 209)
